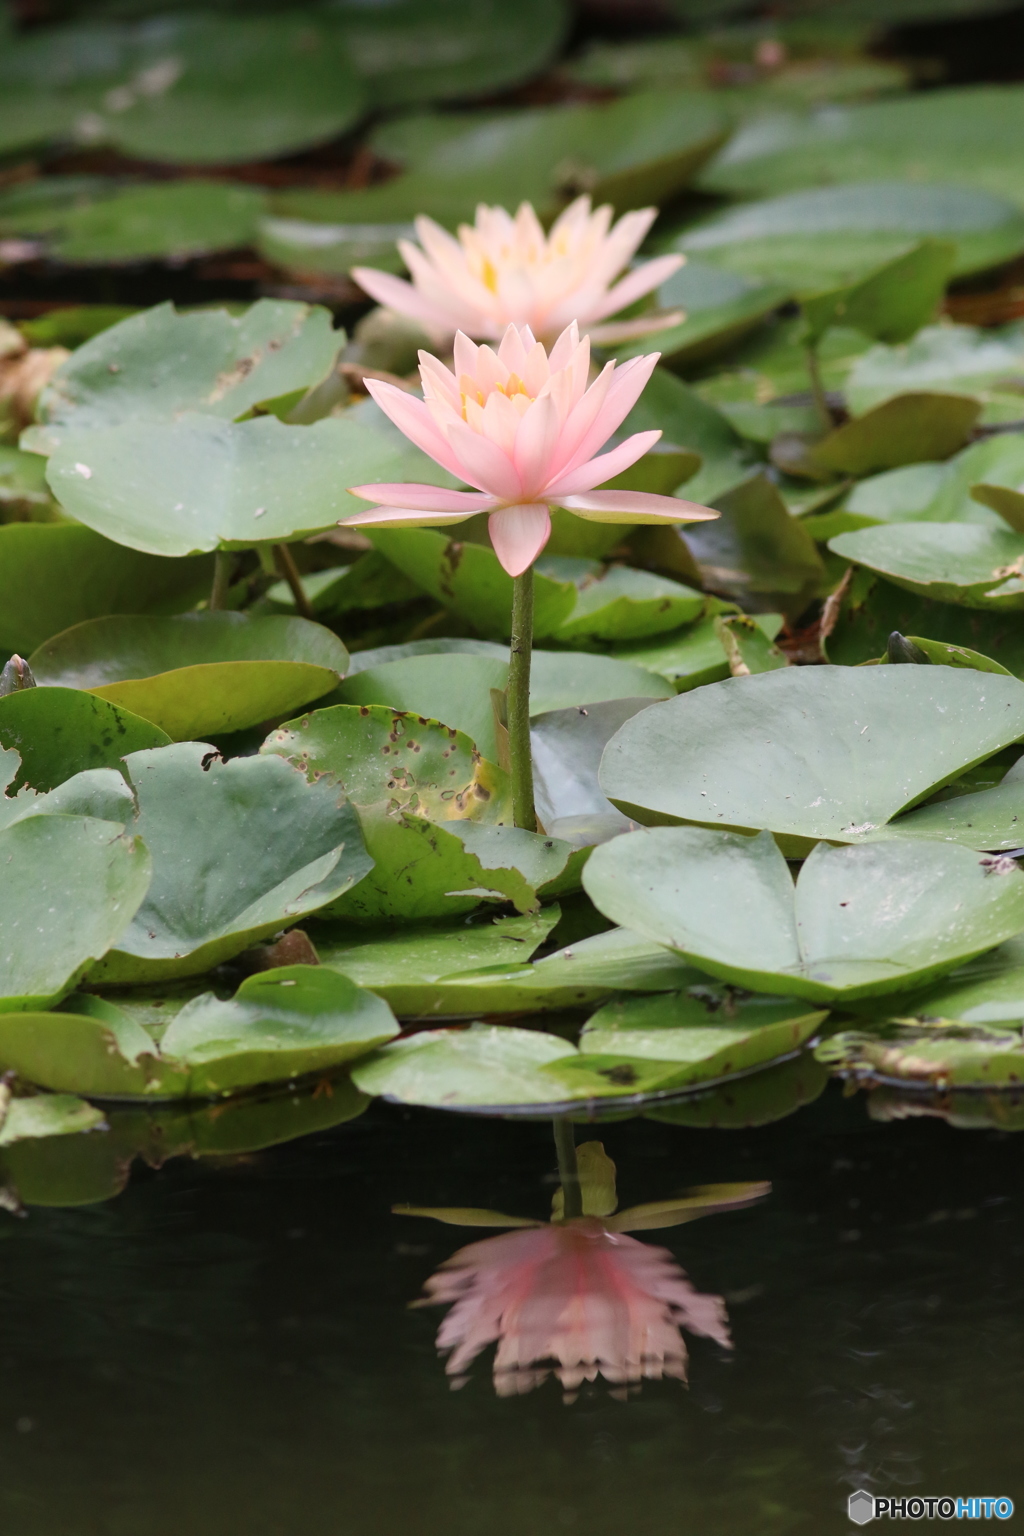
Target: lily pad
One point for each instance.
(196, 674)
(171, 221)
(59, 732)
(718, 308)
(199, 88)
(903, 430)
(991, 820)
(940, 493)
(871, 609)
(240, 850)
(825, 236)
(72, 885)
(962, 136)
(567, 746)
(626, 604)
(480, 1067)
(941, 1055)
(757, 550)
(413, 51)
(987, 990)
(467, 578)
(697, 654)
(861, 921)
(949, 562)
(759, 1099)
(687, 419)
(280, 1025)
(197, 483)
(810, 752)
(158, 364)
(955, 359)
(55, 575)
(890, 304)
(47, 1114)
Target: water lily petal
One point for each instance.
(635, 507)
(401, 517)
(518, 535)
(424, 498)
(596, 471)
(413, 417)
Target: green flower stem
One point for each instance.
(223, 566)
(568, 1169)
(290, 571)
(520, 757)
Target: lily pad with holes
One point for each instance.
(72, 885)
(860, 921)
(810, 752)
(55, 575)
(159, 363)
(197, 674)
(59, 732)
(980, 567)
(240, 850)
(198, 483)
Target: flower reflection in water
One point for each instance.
(577, 1296)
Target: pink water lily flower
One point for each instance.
(525, 430)
(504, 270)
(586, 1299)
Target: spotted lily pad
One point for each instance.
(159, 363)
(810, 752)
(861, 921)
(60, 732)
(240, 850)
(196, 674)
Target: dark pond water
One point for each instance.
(226, 1349)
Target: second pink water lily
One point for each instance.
(525, 429)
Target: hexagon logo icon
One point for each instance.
(861, 1507)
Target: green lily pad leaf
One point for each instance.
(280, 1024)
(468, 579)
(941, 1055)
(950, 562)
(197, 674)
(953, 359)
(454, 685)
(987, 990)
(72, 885)
(627, 604)
(871, 609)
(991, 820)
(158, 364)
(961, 137)
(310, 246)
(169, 221)
(97, 792)
(196, 483)
(697, 655)
(484, 1066)
(758, 551)
(182, 88)
(759, 1099)
(825, 236)
(75, 324)
(59, 732)
(861, 921)
(903, 430)
(47, 1114)
(370, 582)
(240, 850)
(718, 308)
(891, 304)
(24, 494)
(412, 968)
(746, 646)
(941, 493)
(941, 653)
(412, 51)
(567, 746)
(810, 752)
(90, 1045)
(55, 575)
